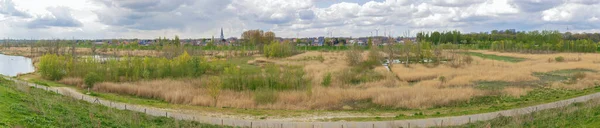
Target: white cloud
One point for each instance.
(204, 18)
(572, 12)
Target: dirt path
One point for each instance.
(429, 122)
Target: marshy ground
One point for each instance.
(490, 81)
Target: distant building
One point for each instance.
(321, 41)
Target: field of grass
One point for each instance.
(491, 81)
(496, 57)
(583, 115)
(480, 104)
(28, 107)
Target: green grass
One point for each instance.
(242, 62)
(46, 83)
(545, 78)
(29, 107)
(575, 115)
(496, 57)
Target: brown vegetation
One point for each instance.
(75, 81)
(417, 86)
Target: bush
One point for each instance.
(559, 59)
(358, 75)
(373, 60)
(91, 79)
(213, 86)
(578, 76)
(272, 77)
(265, 96)
(326, 80)
(442, 79)
(55, 67)
(277, 49)
(52, 66)
(353, 57)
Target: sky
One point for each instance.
(150, 19)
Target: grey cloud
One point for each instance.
(586, 2)
(7, 7)
(306, 14)
(161, 14)
(536, 5)
(455, 3)
(60, 17)
(147, 5)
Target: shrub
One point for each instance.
(468, 59)
(91, 79)
(373, 60)
(559, 59)
(213, 86)
(353, 57)
(442, 79)
(272, 77)
(52, 66)
(265, 96)
(277, 49)
(578, 76)
(358, 75)
(326, 80)
(55, 67)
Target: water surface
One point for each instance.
(13, 65)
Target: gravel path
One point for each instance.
(429, 122)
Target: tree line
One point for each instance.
(516, 41)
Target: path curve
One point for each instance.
(429, 122)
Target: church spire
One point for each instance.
(222, 36)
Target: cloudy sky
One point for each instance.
(91, 19)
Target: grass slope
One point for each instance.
(28, 107)
(584, 115)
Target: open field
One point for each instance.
(492, 81)
(426, 90)
(449, 121)
(29, 107)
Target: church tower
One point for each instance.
(222, 36)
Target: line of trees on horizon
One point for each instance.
(517, 41)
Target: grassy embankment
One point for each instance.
(28, 107)
(584, 115)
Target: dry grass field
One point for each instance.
(413, 87)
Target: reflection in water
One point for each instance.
(13, 65)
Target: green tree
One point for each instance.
(213, 86)
(52, 67)
(91, 79)
(176, 41)
(369, 43)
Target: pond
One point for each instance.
(13, 65)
